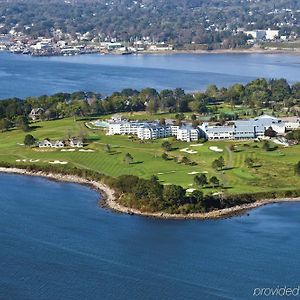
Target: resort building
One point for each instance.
(188, 133)
(240, 129)
(244, 129)
(217, 132)
(153, 130)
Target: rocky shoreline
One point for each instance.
(109, 198)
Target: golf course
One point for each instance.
(271, 170)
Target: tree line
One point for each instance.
(275, 94)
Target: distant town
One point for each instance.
(63, 44)
(66, 45)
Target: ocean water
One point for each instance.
(23, 76)
(57, 243)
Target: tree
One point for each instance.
(128, 159)
(297, 169)
(174, 194)
(22, 123)
(200, 180)
(165, 156)
(196, 197)
(180, 116)
(270, 132)
(4, 125)
(215, 182)
(249, 162)
(162, 122)
(193, 117)
(166, 146)
(107, 148)
(29, 140)
(185, 160)
(152, 106)
(219, 163)
(266, 146)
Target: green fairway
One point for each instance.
(275, 169)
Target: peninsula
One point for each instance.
(165, 154)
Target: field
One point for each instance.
(275, 169)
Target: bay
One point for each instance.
(23, 76)
(56, 243)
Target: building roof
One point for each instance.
(219, 129)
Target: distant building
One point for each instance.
(256, 34)
(75, 143)
(45, 144)
(36, 113)
(272, 34)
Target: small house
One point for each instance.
(76, 143)
(46, 143)
(36, 113)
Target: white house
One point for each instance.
(272, 34)
(58, 144)
(76, 143)
(45, 144)
(35, 113)
(51, 144)
(256, 34)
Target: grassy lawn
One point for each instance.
(274, 171)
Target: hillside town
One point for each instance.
(63, 44)
(66, 45)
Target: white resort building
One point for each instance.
(245, 129)
(238, 130)
(153, 130)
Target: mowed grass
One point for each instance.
(275, 169)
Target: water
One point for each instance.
(61, 245)
(22, 76)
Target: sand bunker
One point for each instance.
(215, 149)
(58, 162)
(67, 150)
(193, 173)
(190, 190)
(169, 172)
(88, 150)
(189, 151)
(34, 160)
(196, 145)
